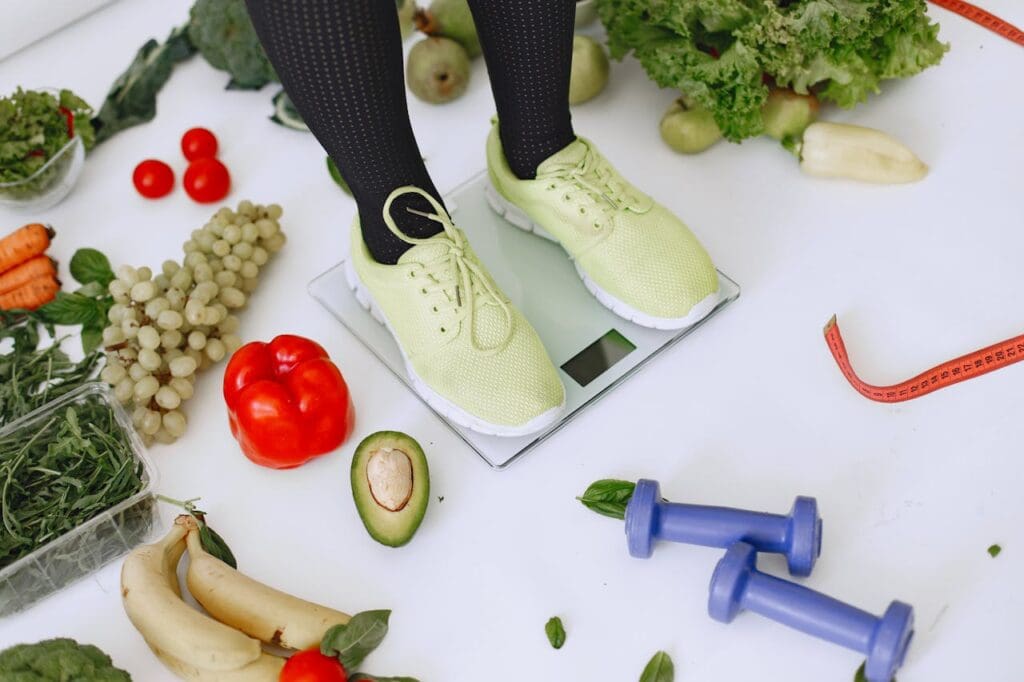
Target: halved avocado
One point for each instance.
(391, 486)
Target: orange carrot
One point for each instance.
(37, 266)
(22, 244)
(31, 295)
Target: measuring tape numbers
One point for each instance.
(965, 367)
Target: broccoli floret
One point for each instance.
(223, 33)
(58, 660)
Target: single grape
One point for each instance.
(212, 316)
(249, 270)
(170, 339)
(127, 355)
(194, 311)
(197, 340)
(226, 278)
(232, 342)
(229, 325)
(260, 256)
(194, 258)
(113, 336)
(124, 390)
(215, 350)
(205, 292)
(182, 279)
(172, 354)
(167, 398)
(275, 243)
(116, 313)
(184, 387)
(138, 415)
(170, 267)
(129, 327)
(184, 366)
(232, 297)
(118, 288)
(232, 262)
(149, 359)
(274, 211)
(243, 250)
(137, 372)
(112, 374)
(169, 319)
(222, 247)
(150, 421)
(217, 265)
(162, 281)
(128, 275)
(267, 228)
(249, 285)
(190, 246)
(148, 337)
(250, 233)
(156, 306)
(174, 423)
(144, 273)
(247, 207)
(146, 388)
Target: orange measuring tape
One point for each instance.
(983, 18)
(948, 373)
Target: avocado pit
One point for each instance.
(389, 475)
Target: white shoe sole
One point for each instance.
(436, 401)
(515, 216)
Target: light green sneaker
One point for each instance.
(634, 255)
(468, 352)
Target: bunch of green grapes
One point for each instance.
(164, 329)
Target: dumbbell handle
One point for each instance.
(809, 612)
(720, 526)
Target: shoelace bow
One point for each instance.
(594, 177)
(471, 278)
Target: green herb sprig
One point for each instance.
(555, 632)
(608, 497)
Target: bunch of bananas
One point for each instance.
(245, 612)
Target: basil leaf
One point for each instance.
(92, 336)
(89, 265)
(608, 497)
(994, 551)
(366, 677)
(91, 290)
(659, 669)
(71, 309)
(352, 642)
(332, 168)
(555, 632)
(215, 545)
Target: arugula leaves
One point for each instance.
(608, 497)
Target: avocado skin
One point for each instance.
(393, 529)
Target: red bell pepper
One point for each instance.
(287, 402)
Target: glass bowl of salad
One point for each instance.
(44, 135)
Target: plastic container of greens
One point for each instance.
(89, 546)
(49, 184)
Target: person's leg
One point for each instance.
(341, 64)
(528, 48)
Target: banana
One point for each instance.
(252, 607)
(152, 600)
(266, 668)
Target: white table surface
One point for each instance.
(749, 412)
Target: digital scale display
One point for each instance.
(598, 357)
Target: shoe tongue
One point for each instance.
(432, 250)
(568, 157)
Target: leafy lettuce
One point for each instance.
(719, 52)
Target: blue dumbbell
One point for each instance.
(737, 585)
(649, 518)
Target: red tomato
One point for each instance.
(207, 180)
(153, 179)
(312, 666)
(198, 143)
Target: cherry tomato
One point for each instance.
(312, 666)
(153, 179)
(198, 143)
(207, 180)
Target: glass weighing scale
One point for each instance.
(595, 349)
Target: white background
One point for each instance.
(750, 411)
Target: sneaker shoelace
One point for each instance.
(593, 180)
(461, 280)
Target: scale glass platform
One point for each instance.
(595, 349)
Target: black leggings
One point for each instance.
(341, 63)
